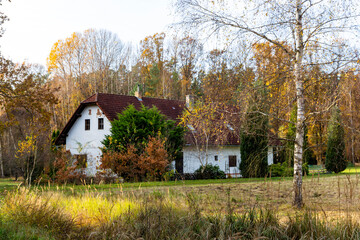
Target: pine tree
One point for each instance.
(254, 138)
(335, 154)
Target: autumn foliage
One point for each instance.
(65, 169)
(131, 165)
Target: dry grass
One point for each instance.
(243, 210)
(333, 197)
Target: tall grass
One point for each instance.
(158, 215)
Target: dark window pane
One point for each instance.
(216, 158)
(232, 161)
(87, 124)
(100, 123)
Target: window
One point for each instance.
(81, 160)
(87, 124)
(100, 123)
(232, 161)
(216, 157)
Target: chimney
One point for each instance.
(137, 93)
(189, 101)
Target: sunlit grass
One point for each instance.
(203, 209)
(195, 212)
(95, 209)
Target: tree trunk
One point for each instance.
(352, 129)
(299, 138)
(1, 160)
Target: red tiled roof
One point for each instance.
(112, 104)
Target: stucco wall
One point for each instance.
(81, 141)
(192, 158)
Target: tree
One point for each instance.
(335, 153)
(3, 19)
(190, 51)
(28, 154)
(85, 63)
(25, 101)
(305, 26)
(209, 124)
(152, 54)
(135, 128)
(254, 138)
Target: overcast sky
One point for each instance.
(35, 25)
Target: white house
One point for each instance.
(90, 123)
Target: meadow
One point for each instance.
(202, 209)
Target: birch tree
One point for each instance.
(304, 25)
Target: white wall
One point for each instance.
(192, 162)
(89, 140)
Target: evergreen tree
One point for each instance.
(135, 127)
(254, 138)
(335, 154)
(308, 154)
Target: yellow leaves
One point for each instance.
(27, 146)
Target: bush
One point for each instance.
(66, 169)
(282, 170)
(132, 166)
(209, 172)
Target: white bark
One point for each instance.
(299, 138)
(1, 161)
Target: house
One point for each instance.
(91, 122)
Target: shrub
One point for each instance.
(106, 176)
(132, 166)
(66, 170)
(282, 170)
(209, 172)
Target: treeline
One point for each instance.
(172, 67)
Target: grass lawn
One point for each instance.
(8, 184)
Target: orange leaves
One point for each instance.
(132, 165)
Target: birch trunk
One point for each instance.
(299, 138)
(352, 129)
(1, 160)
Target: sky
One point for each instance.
(35, 25)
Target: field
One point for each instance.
(203, 209)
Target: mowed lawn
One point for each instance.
(8, 184)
